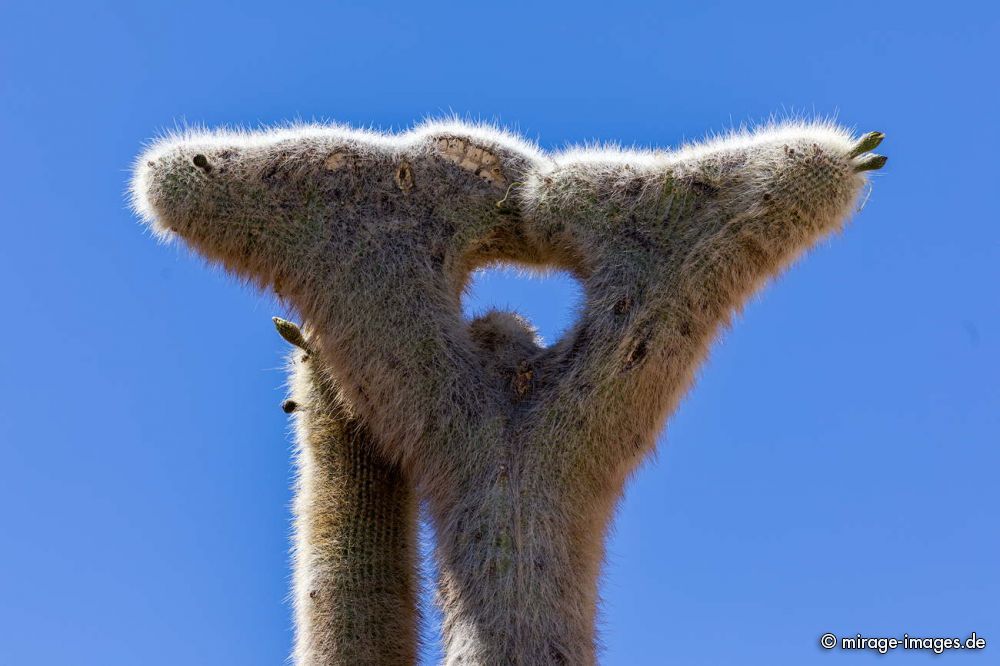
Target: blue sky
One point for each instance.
(834, 469)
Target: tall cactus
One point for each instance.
(520, 451)
(355, 530)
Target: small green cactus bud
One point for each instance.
(290, 332)
(871, 162)
(866, 143)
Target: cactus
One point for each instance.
(520, 451)
(355, 542)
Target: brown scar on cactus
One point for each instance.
(473, 158)
(404, 177)
(335, 161)
(522, 379)
(201, 162)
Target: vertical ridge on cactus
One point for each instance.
(520, 451)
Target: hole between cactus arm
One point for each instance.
(551, 301)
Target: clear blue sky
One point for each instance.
(834, 469)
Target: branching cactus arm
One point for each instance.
(370, 237)
(669, 245)
(355, 531)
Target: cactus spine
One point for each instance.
(519, 451)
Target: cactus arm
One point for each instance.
(371, 238)
(675, 244)
(355, 522)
